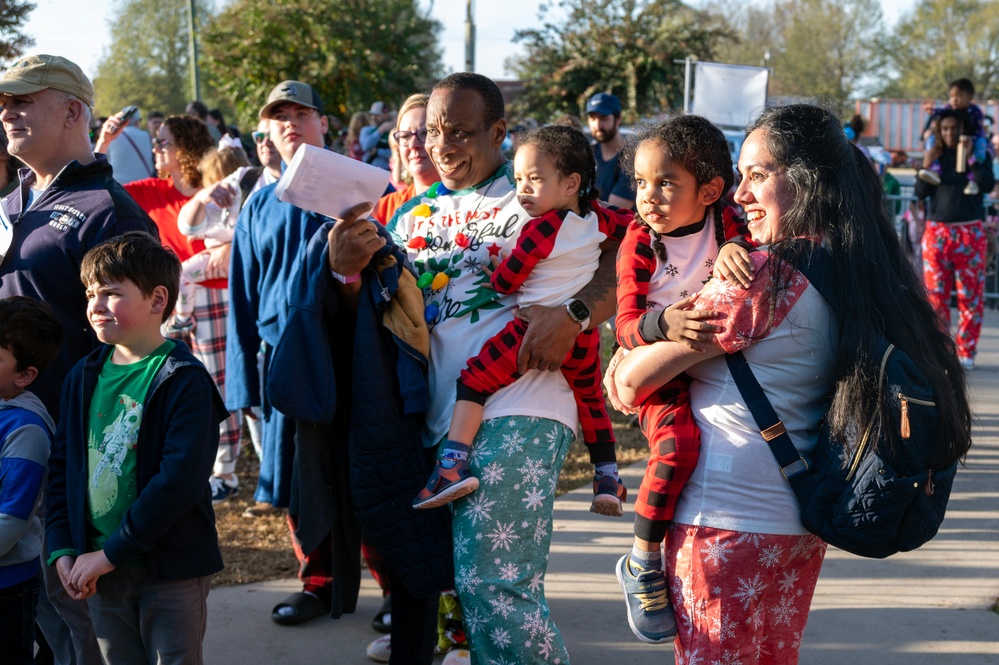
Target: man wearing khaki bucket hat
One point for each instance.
(66, 202)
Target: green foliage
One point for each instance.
(622, 46)
(942, 40)
(830, 50)
(13, 42)
(147, 62)
(353, 52)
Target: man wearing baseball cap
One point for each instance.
(269, 236)
(65, 203)
(603, 114)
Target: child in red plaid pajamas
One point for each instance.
(682, 168)
(556, 254)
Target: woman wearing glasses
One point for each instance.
(178, 148)
(411, 136)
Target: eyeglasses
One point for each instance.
(161, 144)
(406, 137)
(260, 137)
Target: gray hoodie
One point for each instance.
(25, 442)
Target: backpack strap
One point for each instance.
(247, 181)
(792, 464)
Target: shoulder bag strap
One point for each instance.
(138, 152)
(792, 464)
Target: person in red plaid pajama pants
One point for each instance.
(557, 251)
(496, 366)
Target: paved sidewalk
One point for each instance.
(920, 608)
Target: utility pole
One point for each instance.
(469, 37)
(192, 51)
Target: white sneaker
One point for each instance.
(968, 364)
(458, 657)
(380, 650)
(222, 488)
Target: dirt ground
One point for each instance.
(257, 549)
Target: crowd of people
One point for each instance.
(412, 373)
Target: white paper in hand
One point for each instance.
(329, 183)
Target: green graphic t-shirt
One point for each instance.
(112, 437)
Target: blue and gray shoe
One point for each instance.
(649, 613)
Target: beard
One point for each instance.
(605, 135)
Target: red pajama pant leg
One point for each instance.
(496, 367)
(674, 440)
(955, 254)
(740, 597)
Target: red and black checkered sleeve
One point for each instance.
(536, 241)
(734, 226)
(635, 263)
(613, 222)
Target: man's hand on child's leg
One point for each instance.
(87, 569)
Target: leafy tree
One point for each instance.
(147, 61)
(827, 49)
(831, 49)
(942, 40)
(352, 51)
(622, 46)
(13, 42)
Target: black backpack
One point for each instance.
(885, 497)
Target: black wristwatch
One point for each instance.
(578, 312)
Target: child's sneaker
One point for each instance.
(222, 489)
(971, 189)
(649, 613)
(609, 493)
(380, 650)
(929, 176)
(446, 485)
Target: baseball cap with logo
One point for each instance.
(295, 92)
(35, 73)
(603, 103)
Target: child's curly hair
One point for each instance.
(571, 152)
(215, 165)
(698, 147)
(192, 139)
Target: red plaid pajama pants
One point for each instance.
(496, 367)
(674, 440)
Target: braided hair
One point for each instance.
(699, 148)
(569, 149)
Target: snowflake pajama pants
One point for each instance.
(740, 597)
(502, 534)
(955, 253)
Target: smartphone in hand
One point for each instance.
(127, 114)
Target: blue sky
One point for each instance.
(59, 28)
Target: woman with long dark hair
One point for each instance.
(742, 569)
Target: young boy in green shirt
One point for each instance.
(130, 522)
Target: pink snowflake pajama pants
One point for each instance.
(740, 597)
(954, 255)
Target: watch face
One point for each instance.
(580, 311)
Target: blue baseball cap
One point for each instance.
(603, 103)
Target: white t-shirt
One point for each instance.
(131, 160)
(570, 265)
(689, 261)
(737, 484)
(456, 233)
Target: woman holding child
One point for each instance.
(741, 568)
